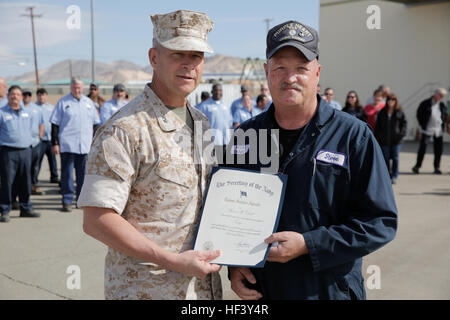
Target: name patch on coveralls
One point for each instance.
(239, 149)
(331, 157)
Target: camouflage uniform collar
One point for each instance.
(167, 120)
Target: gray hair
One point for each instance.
(441, 91)
(76, 80)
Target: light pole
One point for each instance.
(267, 20)
(92, 42)
(32, 16)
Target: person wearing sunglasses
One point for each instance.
(354, 107)
(329, 95)
(94, 95)
(390, 128)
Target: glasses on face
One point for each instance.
(351, 97)
(329, 94)
(92, 89)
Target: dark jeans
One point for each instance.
(15, 169)
(69, 161)
(46, 149)
(437, 147)
(35, 155)
(391, 153)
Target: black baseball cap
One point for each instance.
(27, 91)
(295, 34)
(244, 88)
(119, 87)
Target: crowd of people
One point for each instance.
(31, 130)
(144, 189)
(67, 130)
(384, 115)
(382, 112)
(224, 118)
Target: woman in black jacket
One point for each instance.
(390, 128)
(354, 107)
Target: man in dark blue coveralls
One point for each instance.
(338, 205)
(15, 155)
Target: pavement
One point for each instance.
(42, 258)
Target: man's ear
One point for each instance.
(319, 68)
(266, 70)
(152, 57)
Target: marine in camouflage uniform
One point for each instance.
(148, 165)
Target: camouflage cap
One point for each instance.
(182, 30)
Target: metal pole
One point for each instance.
(92, 42)
(31, 15)
(267, 20)
(70, 69)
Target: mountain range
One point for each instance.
(123, 71)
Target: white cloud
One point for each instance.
(50, 29)
(7, 55)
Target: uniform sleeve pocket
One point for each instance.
(118, 159)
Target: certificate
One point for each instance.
(241, 209)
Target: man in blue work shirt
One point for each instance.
(329, 95)
(219, 116)
(262, 103)
(37, 132)
(15, 155)
(339, 204)
(264, 90)
(237, 104)
(110, 107)
(246, 112)
(46, 144)
(73, 122)
(3, 98)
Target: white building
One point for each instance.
(410, 52)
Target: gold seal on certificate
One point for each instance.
(241, 209)
(208, 246)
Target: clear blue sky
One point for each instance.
(123, 29)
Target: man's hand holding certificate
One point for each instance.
(241, 210)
